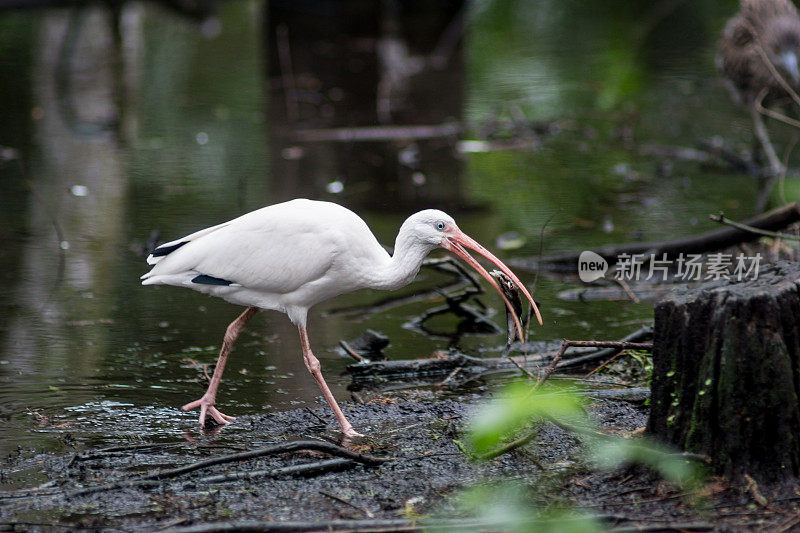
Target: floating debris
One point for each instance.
(335, 187)
(511, 240)
(79, 190)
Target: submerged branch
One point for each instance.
(728, 222)
(472, 366)
(378, 133)
(706, 242)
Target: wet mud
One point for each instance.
(89, 487)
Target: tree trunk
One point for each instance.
(726, 377)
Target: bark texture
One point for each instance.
(726, 377)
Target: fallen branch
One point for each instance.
(608, 292)
(662, 527)
(390, 524)
(616, 346)
(738, 162)
(112, 451)
(706, 242)
(442, 366)
(378, 133)
(314, 445)
(155, 478)
(329, 465)
(472, 366)
(683, 153)
(630, 342)
(633, 395)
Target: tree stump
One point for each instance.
(726, 376)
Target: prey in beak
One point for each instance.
(512, 293)
(457, 241)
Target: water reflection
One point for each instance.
(77, 190)
(151, 122)
(341, 68)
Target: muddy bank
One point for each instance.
(418, 434)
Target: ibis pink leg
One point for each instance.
(206, 403)
(312, 363)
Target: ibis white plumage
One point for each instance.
(290, 256)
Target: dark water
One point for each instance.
(177, 126)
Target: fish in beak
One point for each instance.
(457, 241)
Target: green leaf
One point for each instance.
(615, 452)
(517, 406)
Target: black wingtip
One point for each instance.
(165, 250)
(210, 280)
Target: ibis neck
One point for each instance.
(403, 265)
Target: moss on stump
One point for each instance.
(726, 377)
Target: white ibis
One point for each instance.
(291, 256)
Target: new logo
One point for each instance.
(591, 266)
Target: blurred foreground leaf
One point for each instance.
(509, 507)
(519, 407)
(614, 452)
(516, 407)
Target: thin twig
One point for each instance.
(771, 113)
(365, 512)
(522, 368)
(622, 283)
(450, 376)
(201, 366)
(315, 415)
(617, 345)
(613, 358)
(728, 222)
(351, 352)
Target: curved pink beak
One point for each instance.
(456, 241)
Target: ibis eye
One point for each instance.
(440, 225)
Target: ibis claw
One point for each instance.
(206, 405)
(350, 433)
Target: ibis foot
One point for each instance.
(206, 404)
